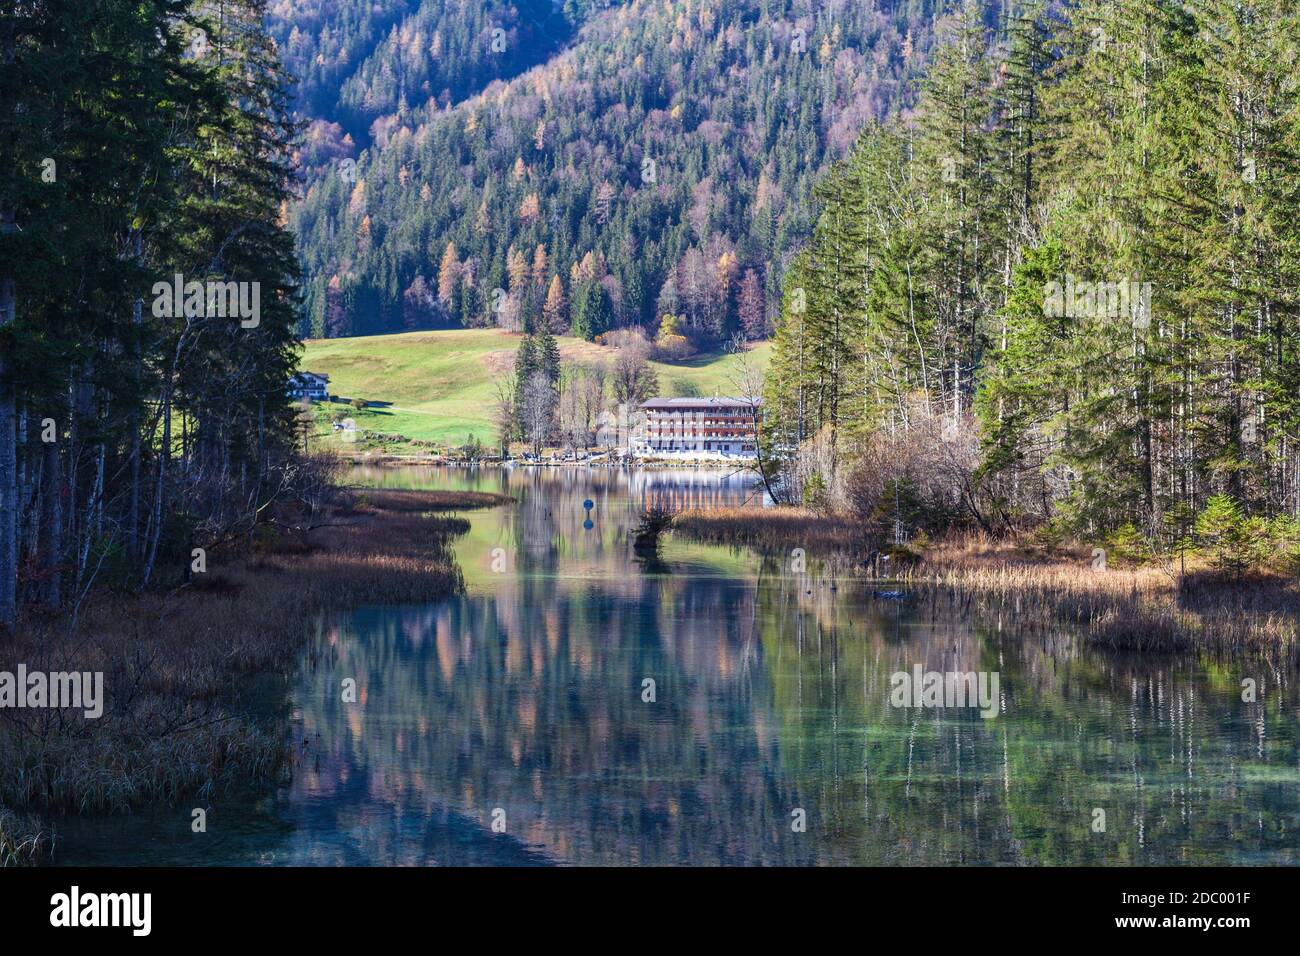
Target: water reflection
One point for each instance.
(771, 696)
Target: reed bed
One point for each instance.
(420, 502)
(182, 668)
(24, 840)
(1137, 608)
(773, 530)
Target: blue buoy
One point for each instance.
(588, 504)
(588, 525)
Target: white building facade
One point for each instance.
(717, 428)
(312, 386)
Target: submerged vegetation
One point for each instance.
(183, 670)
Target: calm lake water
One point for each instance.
(523, 702)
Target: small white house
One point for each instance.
(312, 386)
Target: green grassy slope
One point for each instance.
(442, 385)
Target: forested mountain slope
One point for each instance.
(356, 61)
(581, 165)
(1066, 289)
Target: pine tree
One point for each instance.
(199, 187)
(527, 362)
(592, 313)
(953, 155)
(548, 356)
(788, 381)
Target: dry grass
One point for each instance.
(421, 502)
(180, 668)
(1129, 608)
(24, 840)
(773, 530)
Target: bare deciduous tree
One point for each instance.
(503, 413)
(538, 412)
(634, 380)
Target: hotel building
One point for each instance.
(697, 428)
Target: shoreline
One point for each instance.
(181, 666)
(1137, 607)
(400, 461)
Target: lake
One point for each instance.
(578, 706)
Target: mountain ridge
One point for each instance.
(660, 162)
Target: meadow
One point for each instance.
(441, 386)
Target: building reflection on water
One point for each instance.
(771, 696)
(527, 695)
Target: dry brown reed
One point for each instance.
(773, 530)
(182, 668)
(1141, 608)
(24, 840)
(1129, 608)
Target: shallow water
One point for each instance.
(523, 702)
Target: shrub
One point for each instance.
(473, 448)
(921, 474)
(24, 840)
(1221, 529)
(1047, 537)
(1128, 545)
(632, 337)
(814, 492)
(670, 344)
(654, 522)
